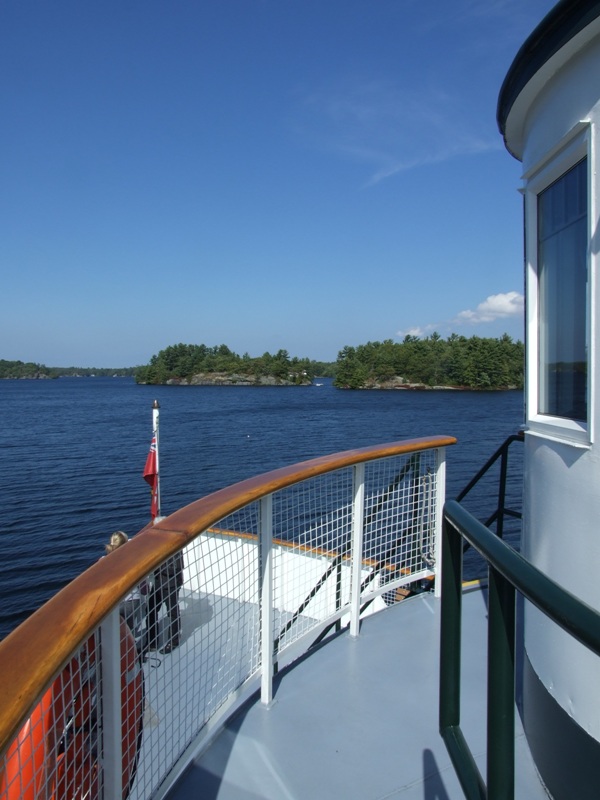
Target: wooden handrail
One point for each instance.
(33, 654)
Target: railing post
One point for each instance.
(450, 665)
(109, 706)
(358, 512)
(440, 497)
(501, 688)
(265, 559)
(502, 490)
(450, 632)
(338, 592)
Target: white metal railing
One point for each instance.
(259, 585)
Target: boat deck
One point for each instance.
(358, 718)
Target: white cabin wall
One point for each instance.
(561, 533)
(561, 103)
(562, 538)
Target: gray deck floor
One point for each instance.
(358, 719)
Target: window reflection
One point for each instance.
(562, 286)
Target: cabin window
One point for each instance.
(562, 296)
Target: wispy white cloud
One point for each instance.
(416, 331)
(429, 111)
(391, 127)
(497, 306)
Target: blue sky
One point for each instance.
(297, 174)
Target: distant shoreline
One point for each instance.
(231, 379)
(223, 379)
(265, 380)
(422, 387)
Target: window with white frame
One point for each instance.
(562, 272)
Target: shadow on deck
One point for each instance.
(358, 718)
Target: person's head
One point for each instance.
(116, 540)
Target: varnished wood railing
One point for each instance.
(37, 651)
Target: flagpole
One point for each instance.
(151, 472)
(155, 426)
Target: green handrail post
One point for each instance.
(501, 688)
(502, 491)
(450, 665)
(450, 633)
(509, 573)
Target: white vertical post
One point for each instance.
(358, 509)
(155, 433)
(265, 557)
(110, 705)
(440, 498)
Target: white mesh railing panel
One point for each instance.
(218, 650)
(311, 556)
(313, 530)
(399, 521)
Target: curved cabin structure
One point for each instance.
(549, 115)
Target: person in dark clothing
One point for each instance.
(165, 584)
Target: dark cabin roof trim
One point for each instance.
(558, 27)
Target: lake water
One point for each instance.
(73, 451)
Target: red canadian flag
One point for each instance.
(151, 477)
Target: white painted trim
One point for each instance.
(571, 149)
(266, 598)
(439, 516)
(561, 149)
(547, 433)
(358, 510)
(112, 725)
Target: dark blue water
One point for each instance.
(73, 450)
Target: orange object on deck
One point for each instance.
(55, 754)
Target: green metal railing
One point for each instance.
(501, 510)
(509, 573)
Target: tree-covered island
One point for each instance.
(198, 364)
(433, 362)
(456, 362)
